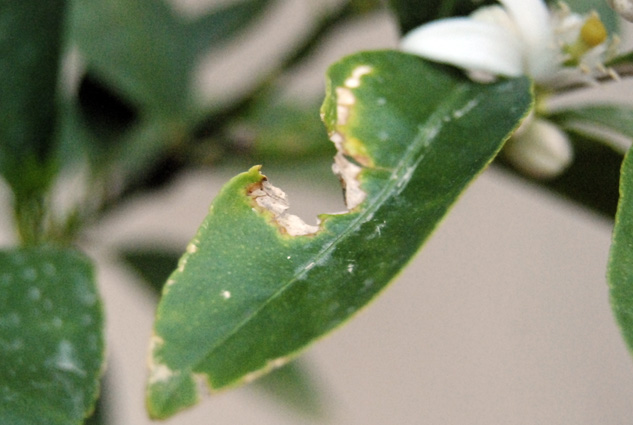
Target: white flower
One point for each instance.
(522, 37)
(518, 37)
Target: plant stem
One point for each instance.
(29, 217)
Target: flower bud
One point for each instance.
(541, 151)
(623, 7)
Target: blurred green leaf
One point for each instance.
(51, 337)
(141, 55)
(30, 44)
(591, 180)
(144, 49)
(293, 386)
(620, 269)
(615, 118)
(278, 129)
(624, 59)
(247, 295)
(100, 415)
(153, 265)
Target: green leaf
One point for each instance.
(112, 35)
(104, 407)
(624, 59)
(615, 118)
(620, 269)
(291, 385)
(284, 130)
(51, 337)
(100, 414)
(247, 295)
(153, 265)
(29, 61)
(592, 178)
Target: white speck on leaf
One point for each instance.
(29, 274)
(47, 304)
(192, 247)
(66, 358)
(225, 294)
(6, 279)
(85, 295)
(466, 109)
(57, 322)
(11, 319)
(270, 366)
(86, 320)
(49, 269)
(182, 263)
(405, 177)
(160, 373)
(15, 345)
(35, 293)
(202, 384)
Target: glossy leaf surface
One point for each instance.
(247, 295)
(291, 385)
(620, 271)
(51, 337)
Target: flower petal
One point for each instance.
(532, 20)
(469, 44)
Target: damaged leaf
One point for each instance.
(257, 285)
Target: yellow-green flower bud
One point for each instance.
(593, 31)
